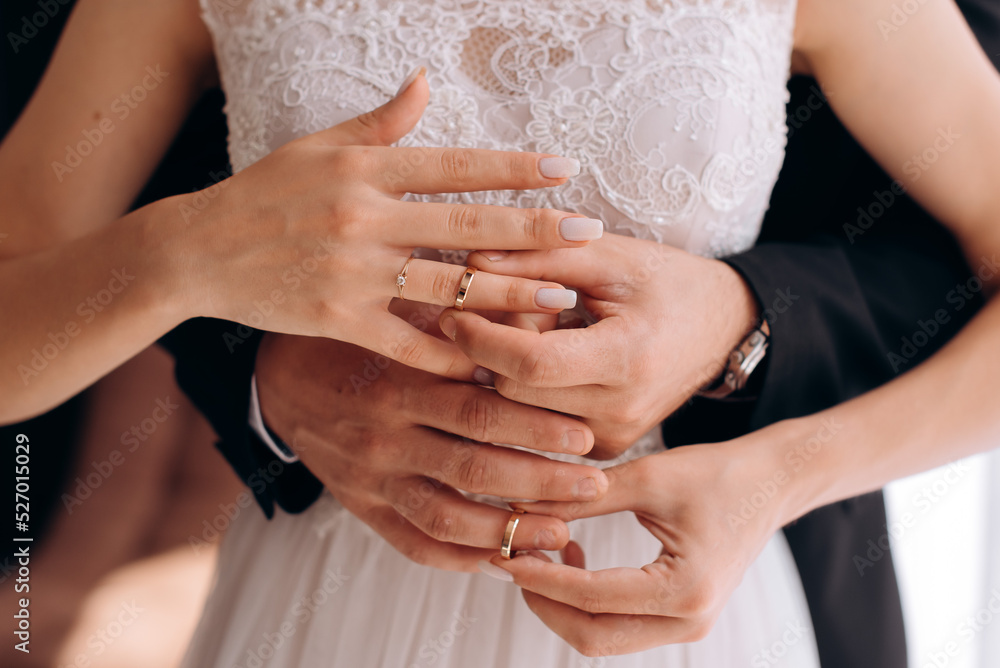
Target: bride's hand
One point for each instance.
(667, 321)
(713, 507)
(310, 239)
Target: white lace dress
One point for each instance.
(675, 108)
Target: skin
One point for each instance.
(313, 228)
(922, 89)
(693, 499)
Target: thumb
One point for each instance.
(389, 123)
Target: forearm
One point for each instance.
(943, 410)
(79, 309)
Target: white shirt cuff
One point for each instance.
(257, 424)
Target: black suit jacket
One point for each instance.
(846, 302)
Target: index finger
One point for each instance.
(429, 171)
(556, 358)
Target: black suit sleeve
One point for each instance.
(214, 363)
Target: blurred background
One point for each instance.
(129, 496)
(128, 493)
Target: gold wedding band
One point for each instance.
(401, 278)
(463, 288)
(508, 535)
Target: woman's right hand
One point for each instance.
(310, 239)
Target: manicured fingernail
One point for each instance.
(483, 376)
(450, 327)
(559, 168)
(574, 442)
(585, 489)
(581, 229)
(494, 256)
(495, 571)
(545, 540)
(408, 81)
(555, 298)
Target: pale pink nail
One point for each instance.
(555, 298)
(408, 81)
(581, 229)
(494, 256)
(495, 571)
(558, 168)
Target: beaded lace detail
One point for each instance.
(675, 108)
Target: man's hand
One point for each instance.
(394, 445)
(667, 321)
(691, 499)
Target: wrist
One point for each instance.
(161, 257)
(182, 256)
(741, 311)
(798, 456)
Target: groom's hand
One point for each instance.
(692, 500)
(394, 444)
(667, 321)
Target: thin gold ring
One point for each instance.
(401, 278)
(508, 535)
(463, 288)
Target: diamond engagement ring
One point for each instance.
(401, 278)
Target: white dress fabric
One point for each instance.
(676, 110)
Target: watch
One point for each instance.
(742, 362)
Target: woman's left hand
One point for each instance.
(667, 323)
(713, 507)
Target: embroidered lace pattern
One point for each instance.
(675, 108)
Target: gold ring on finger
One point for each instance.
(508, 535)
(463, 288)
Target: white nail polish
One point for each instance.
(495, 571)
(555, 298)
(408, 81)
(581, 229)
(558, 168)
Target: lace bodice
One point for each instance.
(675, 108)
